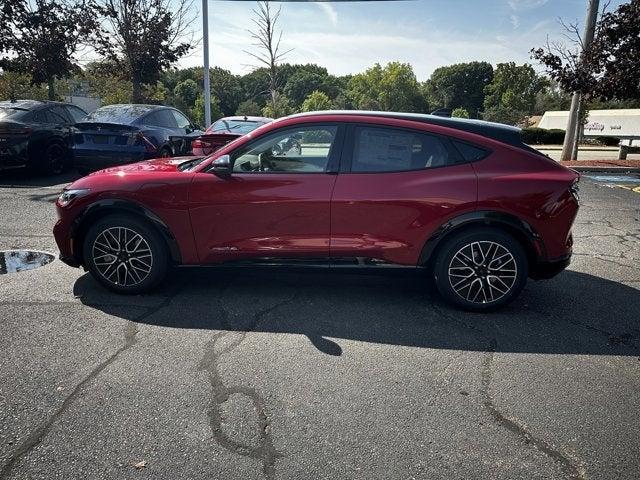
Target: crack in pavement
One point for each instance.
(265, 451)
(38, 435)
(568, 465)
(509, 423)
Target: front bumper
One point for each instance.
(549, 269)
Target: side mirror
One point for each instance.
(221, 166)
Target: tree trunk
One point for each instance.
(136, 91)
(52, 88)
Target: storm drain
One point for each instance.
(12, 261)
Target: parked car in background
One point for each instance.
(37, 135)
(464, 201)
(224, 131)
(126, 133)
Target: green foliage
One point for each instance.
(281, 107)
(197, 112)
(185, 94)
(608, 141)
(511, 95)
(141, 38)
(249, 108)
(317, 101)
(542, 136)
(459, 85)
(40, 38)
(551, 98)
(460, 113)
(390, 88)
(14, 86)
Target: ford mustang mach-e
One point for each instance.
(464, 200)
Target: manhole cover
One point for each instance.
(12, 261)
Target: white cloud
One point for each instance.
(330, 12)
(515, 20)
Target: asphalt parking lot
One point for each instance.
(316, 375)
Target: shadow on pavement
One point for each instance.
(25, 179)
(575, 313)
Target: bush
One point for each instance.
(542, 136)
(460, 113)
(608, 141)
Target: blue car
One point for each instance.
(119, 134)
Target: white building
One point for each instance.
(623, 124)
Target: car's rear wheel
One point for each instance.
(481, 269)
(55, 159)
(125, 254)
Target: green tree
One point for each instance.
(317, 101)
(390, 88)
(40, 38)
(185, 94)
(279, 107)
(459, 85)
(15, 86)
(197, 112)
(460, 113)
(142, 37)
(249, 108)
(511, 95)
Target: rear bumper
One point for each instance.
(97, 159)
(549, 269)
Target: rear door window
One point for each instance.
(161, 118)
(181, 120)
(77, 114)
(394, 150)
(470, 153)
(59, 115)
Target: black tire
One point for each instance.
(55, 160)
(165, 152)
(138, 269)
(494, 275)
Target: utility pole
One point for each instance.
(570, 137)
(205, 47)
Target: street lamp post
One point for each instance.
(205, 42)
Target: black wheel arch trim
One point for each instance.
(127, 206)
(485, 218)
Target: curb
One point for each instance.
(598, 169)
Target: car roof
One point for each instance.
(29, 104)
(247, 118)
(496, 131)
(123, 113)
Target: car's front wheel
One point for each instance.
(481, 269)
(125, 254)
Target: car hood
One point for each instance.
(123, 175)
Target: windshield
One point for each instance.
(125, 114)
(234, 126)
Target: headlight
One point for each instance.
(68, 196)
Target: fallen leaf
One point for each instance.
(140, 465)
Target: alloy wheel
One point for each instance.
(122, 256)
(482, 272)
(55, 159)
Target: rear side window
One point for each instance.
(59, 115)
(470, 152)
(161, 118)
(394, 150)
(76, 113)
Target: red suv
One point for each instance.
(464, 200)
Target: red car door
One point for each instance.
(395, 188)
(275, 203)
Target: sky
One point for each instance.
(350, 37)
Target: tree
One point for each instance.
(267, 42)
(511, 95)
(551, 98)
(317, 101)
(301, 84)
(197, 112)
(460, 113)
(390, 88)
(608, 68)
(40, 38)
(142, 37)
(249, 108)
(185, 94)
(459, 85)
(278, 107)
